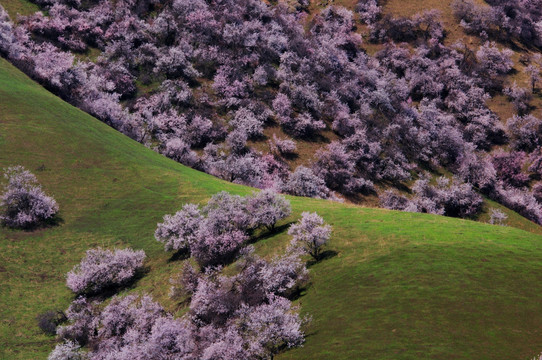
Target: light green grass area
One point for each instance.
(401, 285)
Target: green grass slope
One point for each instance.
(401, 285)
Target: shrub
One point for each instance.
(49, 321)
(101, 269)
(24, 204)
(310, 234)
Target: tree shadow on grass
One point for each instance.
(328, 254)
(49, 321)
(179, 255)
(270, 233)
(299, 292)
(42, 225)
(54, 221)
(290, 156)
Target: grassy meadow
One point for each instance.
(395, 285)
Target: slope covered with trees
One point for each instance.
(389, 284)
(310, 98)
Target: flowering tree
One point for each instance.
(245, 121)
(282, 146)
(80, 315)
(337, 167)
(534, 75)
(525, 132)
(179, 231)
(446, 198)
(211, 248)
(508, 167)
(310, 233)
(67, 351)
(369, 10)
(497, 217)
(270, 327)
(303, 182)
(179, 151)
(101, 269)
(6, 32)
(243, 316)
(24, 204)
(266, 208)
(214, 234)
(519, 96)
(492, 61)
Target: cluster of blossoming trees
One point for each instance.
(247, 315)
(202, 80)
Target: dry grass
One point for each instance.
(454, 30)
(19, 7)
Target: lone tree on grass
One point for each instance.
(24, 204)
(310, 233)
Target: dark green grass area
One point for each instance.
(395, 285)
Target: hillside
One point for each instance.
(432, 107)
(401, 285)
